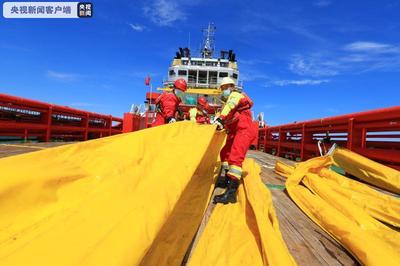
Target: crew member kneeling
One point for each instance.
(199, 113)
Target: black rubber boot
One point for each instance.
(223, 179)
(229, 196)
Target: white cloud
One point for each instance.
(289, 21)
(303, 30)
(300, 82)
(344, 27)
(254, 61)
(313, 66)
(374, 47)
(164, 12)
(137, 27)
(246, 76)
(61, 75)
(353, 58)
(368, 56)
(384, 64)
(322, 3)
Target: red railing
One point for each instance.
(25, 119)
(374, 134)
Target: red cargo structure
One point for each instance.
(134, 122)
(374, 134)
(25, 119)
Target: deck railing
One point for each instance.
(374, 134)
(25, 119)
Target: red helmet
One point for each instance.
(202, 101)
(180, 84)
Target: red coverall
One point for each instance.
(167, 105)
(237, 118)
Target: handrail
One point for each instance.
(374, 133)
(26, 118)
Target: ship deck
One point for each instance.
(308, 244)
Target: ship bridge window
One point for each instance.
(203, 77)
(184, 62)
(234, 75)
(223, 64)
(212, 77)
(192, 76)
(211, 63)
(223, 74)
(197, 63)
(182, 72)
(172, 73)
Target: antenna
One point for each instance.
(189, 41)
(208, 45)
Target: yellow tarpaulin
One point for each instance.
(367, 170)
(130, 199)
(106, 201)
(381, 206)
(346, 209)
(246, 233)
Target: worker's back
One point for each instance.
(168, 104)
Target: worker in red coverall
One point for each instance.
(199, 113)
(167, 103)
(236, 119)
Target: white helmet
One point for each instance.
(227, 80)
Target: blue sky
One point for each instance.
(298, 59)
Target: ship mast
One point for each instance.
(208, 45)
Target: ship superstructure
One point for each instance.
(204, 72)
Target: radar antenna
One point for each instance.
(208, 45)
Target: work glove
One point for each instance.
(171, 120)
(217, 121)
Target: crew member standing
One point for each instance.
(199, 113)
(237, 119)
(167, 103)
